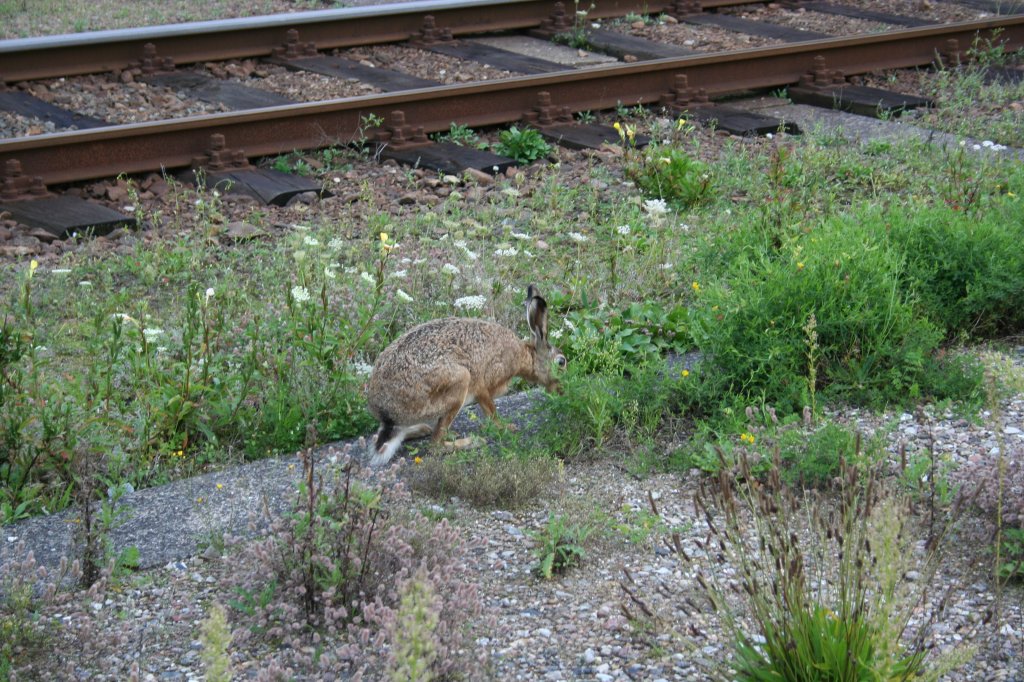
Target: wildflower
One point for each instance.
(361, 368)
(311, 241)
(624, 230)
(300, 294)
(521, 235)
(152, 334)
(85, 283)
(509, 252)
(747, 438)
(470, 302)
(656, 207)
(417, 460)
(385, 246)
(400, 274)
(577, 237)
(449, 269)
(556, 334)
(209, 294)
(696, 287)
(569, 325)
(220, 486)
(329, 272)
(366, 277)
(32, 267)
(680, 123)
(402, 296)
(799, 265)
(685, 373)
(336, 244)
(65, 271)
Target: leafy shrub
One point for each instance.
(868, 344)
(590, 406)
(968, 269)
(525, 146)
(627, 339)
(669, 173)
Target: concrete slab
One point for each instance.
(544, 49)
(860, 129)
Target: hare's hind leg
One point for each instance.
(450, 398)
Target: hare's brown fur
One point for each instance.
(422, 380)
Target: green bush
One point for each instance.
(869, 345)
(967, 268)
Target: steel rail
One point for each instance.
(101, 51)
(104, 152)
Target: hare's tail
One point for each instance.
(389, 439)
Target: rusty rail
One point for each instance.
(75, 54)
(104, 152)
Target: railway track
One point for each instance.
(648, 74)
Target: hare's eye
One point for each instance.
(560, 360)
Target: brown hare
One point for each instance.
(421, 381)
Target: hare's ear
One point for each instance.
(537, 318)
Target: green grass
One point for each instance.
(175, 355)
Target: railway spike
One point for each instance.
(681, 96)
(153, 62)
(557, 22)
(544, 113)
(430, 34)
(219, 157)
(685, 8)
(16, 186)
(398, 134)
(820, 77)
(293, 48)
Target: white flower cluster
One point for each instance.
(509, 252)
(989, 145)
(624, 230)
(577, 237)
(470, 302)
(656, 207)
(300, 294)
(402, 296)
(449, 269)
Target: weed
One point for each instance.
(670, 174)
(507, 481)
(525, 146)
(559, 546)
(339, 563)
(824, 586)
(215, 636)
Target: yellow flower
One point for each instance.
(630, 132)
(799, 266)
(695, 287)
(619, 130)
(680, 124)
(418, 460)
(220, 486)
(685, 373)
(748, 438)
(33, 265)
